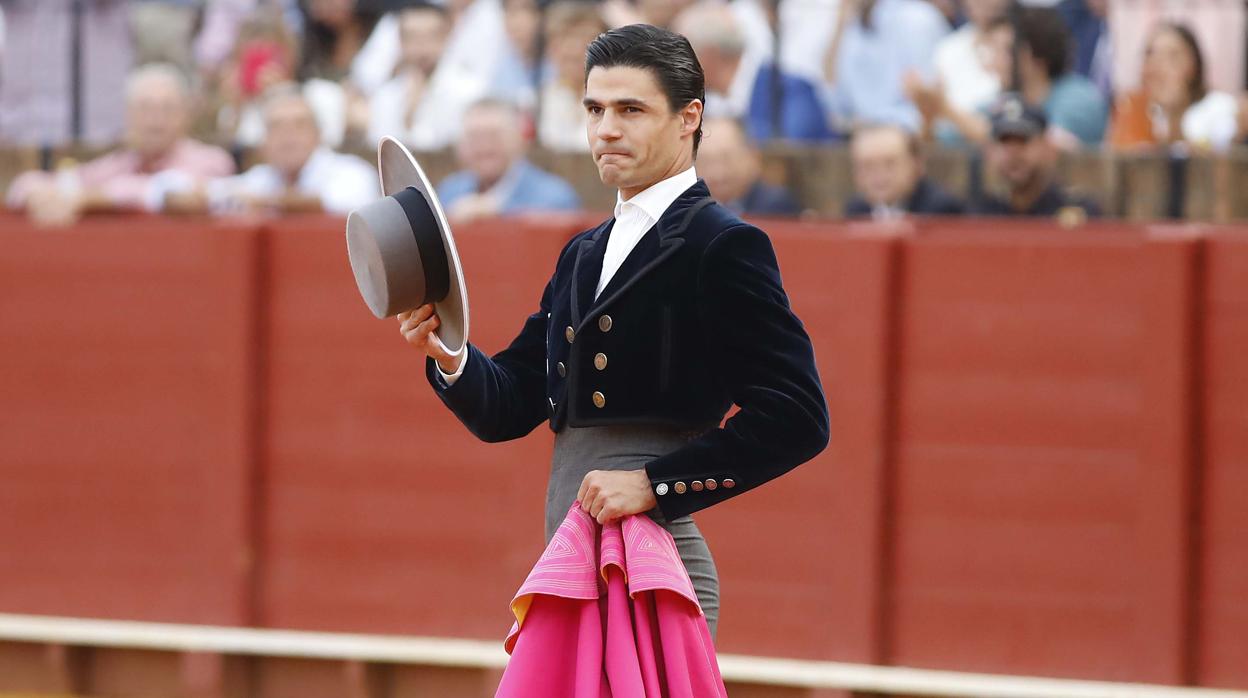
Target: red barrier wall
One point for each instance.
(1222, 623)
(127, 399)
(1039, 460)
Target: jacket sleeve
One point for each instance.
(765, 360)
(501, 397)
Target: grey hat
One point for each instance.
(402, 251)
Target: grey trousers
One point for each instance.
(580, 450)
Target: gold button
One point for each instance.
(570, 334)
(729, 483)
(600, 361)
(696, 485)
(711, 484)
(679, 487)
(604, 323)
(600, 400)
(563, 369)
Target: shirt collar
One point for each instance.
(656, 198)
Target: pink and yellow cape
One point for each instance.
(609, 611)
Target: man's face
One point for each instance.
(635, 137)
(726, 161)
(885, 169)
(291, 134)
(156, 117)
(1021, 162)
(491, 141)
(422, 36)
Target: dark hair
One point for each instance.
(319, 39)
(1043, 31)
(667, 55)
(1196, 87)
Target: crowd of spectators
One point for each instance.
(264, 106)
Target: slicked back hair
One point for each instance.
(665, 54)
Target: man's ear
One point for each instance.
(691, 117)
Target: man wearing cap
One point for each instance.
(654, 324)
(1023, 160)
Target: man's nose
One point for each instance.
(608, 128)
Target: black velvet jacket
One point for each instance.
(695, 320)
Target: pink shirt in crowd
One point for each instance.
(122, 177)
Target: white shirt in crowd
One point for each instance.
(341, 182)
(1210, 123)
(962, 71)
(633, 218)
(437, 119)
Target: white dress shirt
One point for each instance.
(633, 218)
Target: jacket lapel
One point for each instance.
(658, 244)
(587, 269)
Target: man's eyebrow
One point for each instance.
(622, 102)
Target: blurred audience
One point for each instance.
(297, 173)
(264, 55)
(773, 104)
(660, 13)
(496, 179)
(1174, 104)
(39, 104)
(333, 33)
(1022, 161)
(164, 30)
(521, 70)
(423, 103)
(570, 26)
(1076, 111)
(732, 168)
(889, 177)
(157, 120)
(874, 45)
(1089, 32)
(963, 59)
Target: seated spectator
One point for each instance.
(1076, 111)
(570, 26)
(264, 55)
(739, 85)
(298, 174)
(1174, 104)
(157, 119)
(875, 44)
(962, 70)
(731, 166)
(496, 179)
(889, 177)
(1023, 160)
(423, 103)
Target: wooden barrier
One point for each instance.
(1038, 462)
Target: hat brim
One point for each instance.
(399, 170)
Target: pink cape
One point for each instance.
(609, 611)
